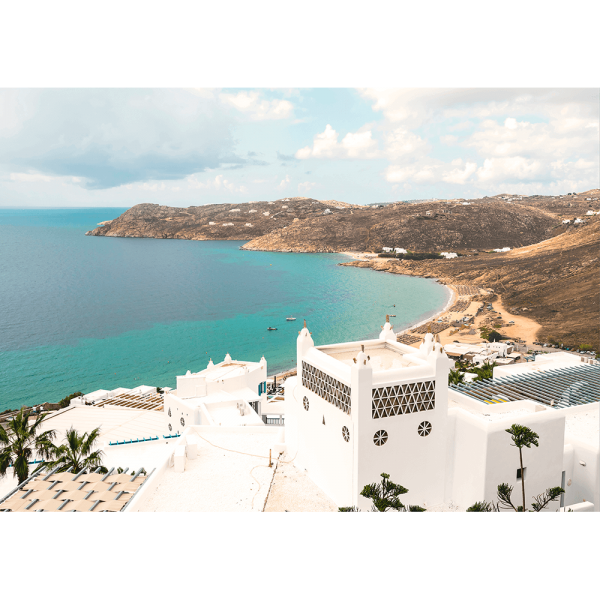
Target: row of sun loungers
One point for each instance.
(433, 327)
(460, 306)
(467, 290)
(407, 339)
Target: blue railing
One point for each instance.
(131, 441)
(173, 435)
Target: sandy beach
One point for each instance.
(523, 327)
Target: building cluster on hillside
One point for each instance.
(353, 411)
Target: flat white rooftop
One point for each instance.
(116, 424)
(230, 473)
(383, 356)
(227, 370)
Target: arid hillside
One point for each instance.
(424, 226)
(308, 225)
(211, 221)
(556, 281)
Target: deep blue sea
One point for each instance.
(81, 313)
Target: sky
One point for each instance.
(118, 147)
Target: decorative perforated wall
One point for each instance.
(306, 403)
(345, 434)
(401, 399)
(327, 387)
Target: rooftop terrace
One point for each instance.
(383, 356)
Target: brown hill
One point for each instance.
(556, 281)
(308, 225)
(423, 226)
(211, 221)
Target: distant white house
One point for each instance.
(566, 221)
(327, 211)
(400, 251)
(449, 254)
(466, 203)
(578, 221)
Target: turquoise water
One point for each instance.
(81, 313)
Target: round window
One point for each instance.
(424, 428)
(182, 421)
(345, 434)
(170, 427)
(305, 402)
(380, 438)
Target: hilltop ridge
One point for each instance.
(302, 224)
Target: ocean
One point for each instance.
(81, 313)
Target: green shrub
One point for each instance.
(67, 399)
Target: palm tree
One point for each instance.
(20, 442)
(76, 452)
(456, 377)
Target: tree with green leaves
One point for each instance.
(77, 452)
(385, 497)
(21, 442)
(66, 401)
(522, 437)
(455, 377)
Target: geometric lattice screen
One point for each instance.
(402, 399)
(327, 387)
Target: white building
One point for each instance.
(566, 221)
(449, 254)
(387, 249)
(505, 249)
(226, 394)
(362, 408)
(358, 409)
(400, 251)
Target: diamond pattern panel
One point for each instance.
(402, 399)
(326, 387)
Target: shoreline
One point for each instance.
(523, 327)
(444, 310)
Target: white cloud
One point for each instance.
(39, 177)
(354, 145)
(219, 184)
(460, 173)
(284, 183)
(257, 108)
(449, 140)
(305, 187)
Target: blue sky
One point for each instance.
(181, 147)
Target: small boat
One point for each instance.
(392, 315)
(291, 319)
(271, 328)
